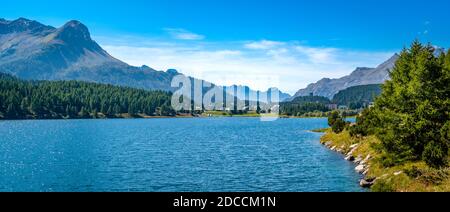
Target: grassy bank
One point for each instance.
(407, 177)
(251, 114)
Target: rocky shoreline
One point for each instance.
(413, 176)
(362, 163)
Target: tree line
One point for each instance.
(358, 96)
(304, 104)
(354, 98)
(20, 99)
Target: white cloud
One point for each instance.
(288, 65)
(318, 55)
(182, 34)
(264, 44)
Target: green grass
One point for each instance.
(217, 114)
(324, 130)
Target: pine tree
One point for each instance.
(336, 122)
(11, 111)
(132, 109)
(68, 113)
(83, 113)
(413, 108)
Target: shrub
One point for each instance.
(336, 122)
(413, 172)
(390, 160)
(445, 133)
(435, 154)
(356, 131)
(338, 126)
(382, 186)
(429, 176)
(433, 176)
(363, 125)
(333, 117)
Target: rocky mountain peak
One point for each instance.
(23, 20)
(42, 52)
(391, 61)
(74, 32)
(76, 25)
(172, 71)
(4, 21)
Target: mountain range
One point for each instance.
(34, 51)
(361, 76)
(31, 50)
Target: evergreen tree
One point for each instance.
(336, 122)
(83, 113)
(411, 115)
(11, 111)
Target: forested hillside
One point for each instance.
(21, 99)
(304, 104)
(358, 96)
(315, 99)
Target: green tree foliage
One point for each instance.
(302, 109)
(21, 99)
(364, 124)
(435, 154)
(333, 117)
(339, 126)
(336, 122)
(309, 99)
(411, 117)
(304, 104)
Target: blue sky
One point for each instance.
(297, 42)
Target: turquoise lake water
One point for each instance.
(210, 154)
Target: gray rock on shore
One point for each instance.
(360, 169)
(358, 160)
(350, 158)
(367, 183)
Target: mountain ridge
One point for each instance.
(31, 50)
(361, 76)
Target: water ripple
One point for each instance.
(226, 154)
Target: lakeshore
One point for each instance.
(407, 177)
(207, 114)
